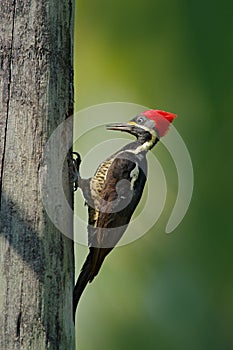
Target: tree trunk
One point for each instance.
(36, 95)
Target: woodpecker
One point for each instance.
(115, 190)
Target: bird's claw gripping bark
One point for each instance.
(74, 164)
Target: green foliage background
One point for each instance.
(165, 291)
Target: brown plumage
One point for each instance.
(114, 192)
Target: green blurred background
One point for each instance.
(165, 291)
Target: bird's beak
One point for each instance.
(128, 127)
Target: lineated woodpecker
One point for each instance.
(115, 190)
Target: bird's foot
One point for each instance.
(74, 161)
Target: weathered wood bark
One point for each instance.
(36, 94)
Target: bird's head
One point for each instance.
(148, 126)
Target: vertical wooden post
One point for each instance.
(36, 95)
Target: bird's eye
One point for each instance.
(140, 120)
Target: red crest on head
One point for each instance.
(162, 119)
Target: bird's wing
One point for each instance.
(118, 199)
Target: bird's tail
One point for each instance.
(89, 270)
(82, 281)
